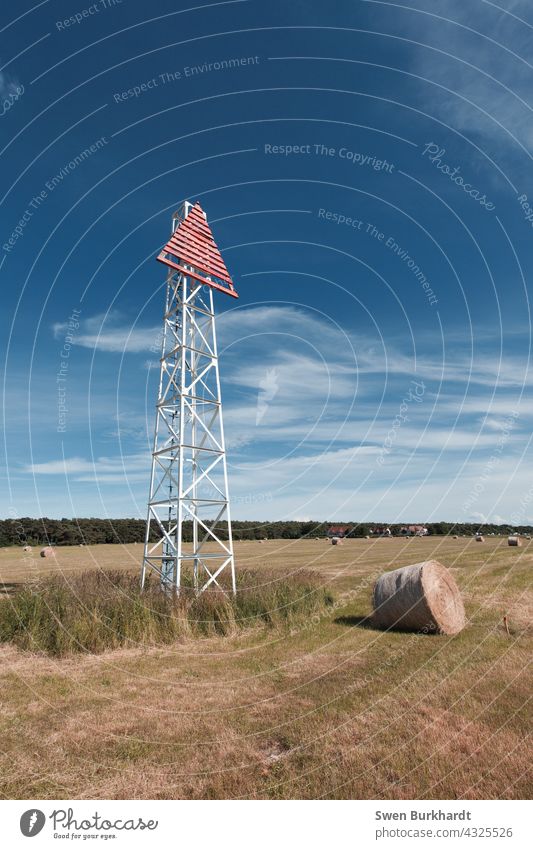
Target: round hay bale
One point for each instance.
(47, 552)
(479, 538)
(335, 540)
(423, 596)
(27, 548)
(514, 540)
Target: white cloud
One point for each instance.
(486, 71)
(108, 333)
(313, 449)
(308, 348)
(344, 483)
(102, 468)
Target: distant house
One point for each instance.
(413, 531)
(339, 531)
(381, 532)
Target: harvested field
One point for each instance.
(327, 707)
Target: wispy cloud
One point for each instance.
(343, 356)
(103, 469)
(8, 85)
(308, 407)
(485, 78)
(109, 333)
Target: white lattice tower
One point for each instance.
(189, 481)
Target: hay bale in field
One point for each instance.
(47, 552)
(420, 597)
(335, 540)
(27, 548)
(480, 538)
(514, 540)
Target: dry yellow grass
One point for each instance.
(330, 710)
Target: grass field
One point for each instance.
(329, 709)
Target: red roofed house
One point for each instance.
(381, 532)
(413, 531)
(340, 531)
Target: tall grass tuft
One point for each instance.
(98, 611)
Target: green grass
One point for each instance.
(96, 611)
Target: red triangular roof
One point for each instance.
(193, 245)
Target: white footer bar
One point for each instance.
(268, 824)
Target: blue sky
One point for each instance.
(366, 170)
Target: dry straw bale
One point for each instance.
(47, 552)
(514, 540)
(423, 596)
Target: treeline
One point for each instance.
(27, 531)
